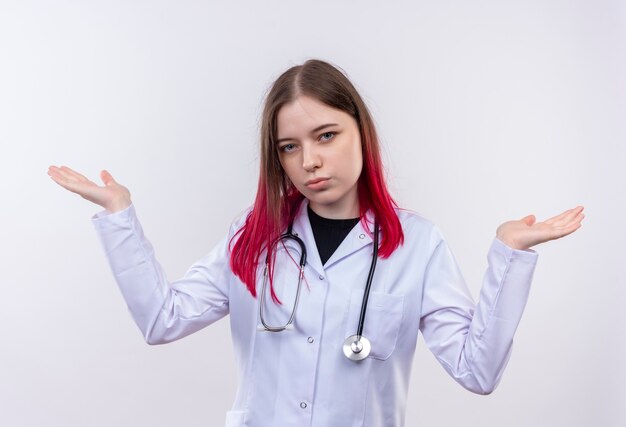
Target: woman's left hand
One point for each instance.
(524, 233)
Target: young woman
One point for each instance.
(351, 277)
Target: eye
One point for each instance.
(332, 135)
(287, 148)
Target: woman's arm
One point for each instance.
(163, 311)
(473, 342)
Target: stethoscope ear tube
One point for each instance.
(289, 324)
(355, 347)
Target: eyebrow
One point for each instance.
(317, 129)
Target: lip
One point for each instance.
(317, 183)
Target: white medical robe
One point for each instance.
(300, 377)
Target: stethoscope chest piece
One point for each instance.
(356, 347)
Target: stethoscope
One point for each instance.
(356, 347)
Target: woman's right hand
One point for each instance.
(113, 196)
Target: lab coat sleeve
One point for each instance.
(163, 311)
(473, 342)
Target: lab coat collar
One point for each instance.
(356, 239)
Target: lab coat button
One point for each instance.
(310, 339)
(361, 236)
(303, 405)
(321, 277)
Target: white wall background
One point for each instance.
(488, 110)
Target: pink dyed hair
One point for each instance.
(277, 200)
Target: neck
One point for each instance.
(335, 212)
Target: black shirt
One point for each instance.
(329, 233)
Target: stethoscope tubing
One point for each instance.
(368, 284)
(302, 263)
(355, 347)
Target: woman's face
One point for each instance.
(319, 148)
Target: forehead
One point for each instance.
(305, 113)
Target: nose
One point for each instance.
(310, 158)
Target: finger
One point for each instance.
(70, 180)
(529, 219)
(557, 217)
(577, 219)
(567, 229)
(64, 172)
(59, 175)
(106, 177)
(56, 177)
(570, 217)
(74, 174)
(66, 182)
(563, 215)
(564, 231)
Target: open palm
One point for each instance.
(112, 196)
(525, 232)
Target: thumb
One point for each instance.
(529, 219)
(106, 177)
